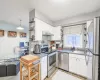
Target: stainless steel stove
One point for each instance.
(51, 63)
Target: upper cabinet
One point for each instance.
(41, 27)
(57, 33)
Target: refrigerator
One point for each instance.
(93, 52)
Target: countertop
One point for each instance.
(76, 52)
(9, 63)
(41, 55)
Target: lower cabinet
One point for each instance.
(72, 65)
(43, 67)
(78, 66)
(81, 67)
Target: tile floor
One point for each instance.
(58, 75)
(17, 77)
(62, 75)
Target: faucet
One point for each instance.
(73, 48)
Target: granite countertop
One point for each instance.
(11, 59)
(14, 62)
(43, 54)
(10, 62)
(76, 52)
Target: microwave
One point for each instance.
(44, 48)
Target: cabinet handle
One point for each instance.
(77, 59)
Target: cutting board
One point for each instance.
(29, 58)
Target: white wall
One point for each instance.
(44, 18)
(78, 19)
(7, 44)
(36, 14)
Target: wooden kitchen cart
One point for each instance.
(30, 68)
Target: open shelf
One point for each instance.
(31, 21)
(32, 74)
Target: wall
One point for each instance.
(78, 19)
(36, 14)
(7, 44)
(43, 18)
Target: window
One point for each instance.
(73, 40)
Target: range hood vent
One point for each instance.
(47, 34)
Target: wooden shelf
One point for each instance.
(31, 30)
(32, 74)
(26, 78)
(31, 21)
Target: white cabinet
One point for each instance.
(43, 67)
(57, 33)
(77, 65)
(40, 27)
(72, 65)
(81, 67)
(89, 69)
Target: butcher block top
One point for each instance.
(29, 58)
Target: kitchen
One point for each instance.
(66, 41)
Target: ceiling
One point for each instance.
(13, 10)
(61, 9)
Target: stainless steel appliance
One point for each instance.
(51, 63)
(37, 49)
(44, 48)
(46, 35)
(63, 61)
(93, 53)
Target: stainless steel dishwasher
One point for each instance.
(63, 61)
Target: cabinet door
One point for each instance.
(43, 68)
(72, 64)
(89, 70)
(82, 67)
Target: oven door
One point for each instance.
(51, 60)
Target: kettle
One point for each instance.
(37, 49)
